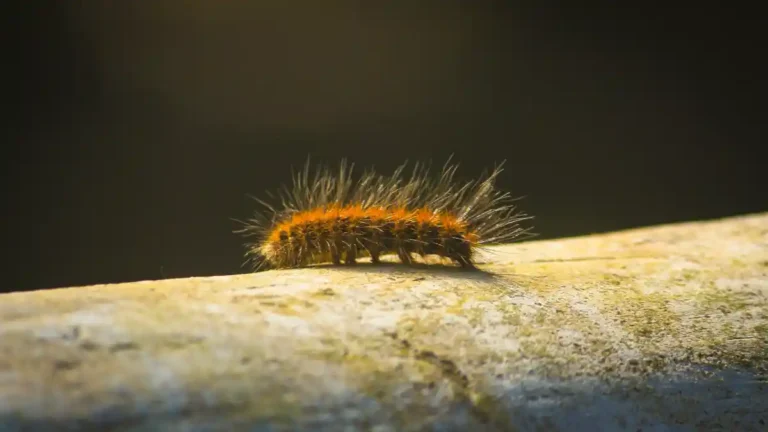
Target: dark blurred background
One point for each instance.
(138, 128)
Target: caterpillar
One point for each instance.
(335, 217)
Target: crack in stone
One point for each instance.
(454, 374)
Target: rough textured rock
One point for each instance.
(650, 329)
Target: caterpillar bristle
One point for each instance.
(335, 217)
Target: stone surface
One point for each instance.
(661, 328)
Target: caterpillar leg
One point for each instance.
(458, 250)
(374, 256)
(404, 256)
(373, 250)
(465, 262)
(335, 255)
(373, 246)
(351, 254)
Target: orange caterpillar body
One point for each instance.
(334, 218)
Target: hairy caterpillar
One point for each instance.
(334, 217)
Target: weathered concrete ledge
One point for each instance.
(650, 329)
